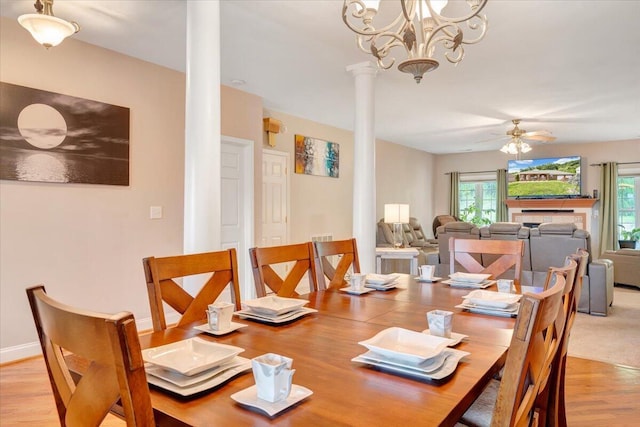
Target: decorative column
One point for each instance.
(364, 164)
(202, 229)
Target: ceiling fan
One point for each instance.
(518, 137)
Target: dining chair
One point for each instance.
(115, 368)
(347, 250)
(556, 409)
(265, 261)
(220, 268)
(511, 401)
(510, 253)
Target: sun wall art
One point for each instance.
(50, 137)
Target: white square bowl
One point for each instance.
(273, 305)
(406, 346)
(469, 277)
(492, 299)
(191, 356)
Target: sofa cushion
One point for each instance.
(555, 228)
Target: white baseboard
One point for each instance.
(23, 351)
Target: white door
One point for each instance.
(236, 170)
(275, 198)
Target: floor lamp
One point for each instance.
(397, 215)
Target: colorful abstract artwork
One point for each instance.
(317, 157)
(50, 137)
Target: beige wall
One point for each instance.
(86, 242)
(405, 175)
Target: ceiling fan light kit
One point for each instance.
(45, 28)
(517, 145)
(418, 27)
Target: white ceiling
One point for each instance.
(571, 67)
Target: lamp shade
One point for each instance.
(47, 30)
(396, 213)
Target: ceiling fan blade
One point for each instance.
(544, 138)
(536, 132)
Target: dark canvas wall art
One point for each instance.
(50, 137)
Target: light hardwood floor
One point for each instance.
(598, 394)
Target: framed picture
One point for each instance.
(317, 157)
(50, 137)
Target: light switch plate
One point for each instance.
(155, 212)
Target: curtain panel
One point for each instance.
(502, 211)
(454, 194)
(608, 207)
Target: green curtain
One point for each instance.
(454, 196)
(502, 212)
(609, 207)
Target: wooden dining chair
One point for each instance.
(161, 273)
(509, 255)
(264, 262)
(556, 407)
(511, 401)
(115, 370)
(347, 250)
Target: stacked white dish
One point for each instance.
(194, 365)
(411, 353)
(274, 309)
(381, 282)
(494, 303)
(469, 280)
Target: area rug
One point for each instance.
(614, 338)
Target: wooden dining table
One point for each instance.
(347, 393)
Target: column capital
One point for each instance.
(360, 68)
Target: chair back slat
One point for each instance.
(348, 252)
(265, 276)
(109, 343)
(465, 253)
(161, 275)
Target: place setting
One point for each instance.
(469, 280)
(504, 304)
(427, 274)
(193, 366)
(424, 355)
(274, 390)
(360, 284)
(274, 309)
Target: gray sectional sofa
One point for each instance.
(546, 245)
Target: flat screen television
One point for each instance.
(552, 177)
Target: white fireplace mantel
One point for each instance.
(535, 211)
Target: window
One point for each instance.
(629, 201)
(478, 201)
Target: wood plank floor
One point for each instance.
(598, 394)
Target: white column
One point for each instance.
(202, 135)
(364, 164)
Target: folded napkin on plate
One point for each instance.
(381, 279)
(469, 277)
(492, 299)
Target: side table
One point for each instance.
(401, 253)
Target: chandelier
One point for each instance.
(44, 27)
(418, 27)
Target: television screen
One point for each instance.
(544, 178)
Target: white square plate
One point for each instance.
(187, 381)
(191, 356)
(232, 327)
(455, 338)
(273, 305)
(249, 397)
(283, 318)
(492, 299)
(352, 291)
(469, 277)
(381, 279)
(406, 345)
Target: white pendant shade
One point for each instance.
(47, 30)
